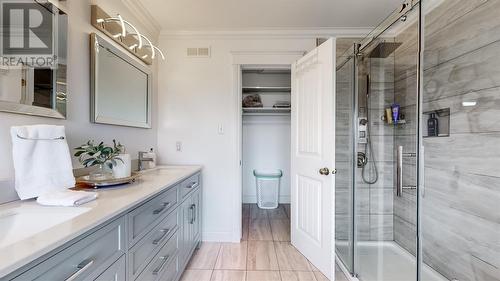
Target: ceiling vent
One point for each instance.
(198, 52)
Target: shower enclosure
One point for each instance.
(413, 199)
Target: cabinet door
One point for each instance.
(186, 240)
(196, 225)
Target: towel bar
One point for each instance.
(23, 138)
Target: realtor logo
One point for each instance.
(27, 28)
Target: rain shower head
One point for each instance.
(384, 49)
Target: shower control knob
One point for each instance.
(324, 171)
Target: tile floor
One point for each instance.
(264, 254)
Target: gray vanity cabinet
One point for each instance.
(116, 272)
(191, 225)
(153, 241)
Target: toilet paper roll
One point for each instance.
(123, 169)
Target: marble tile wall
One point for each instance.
(460, 209)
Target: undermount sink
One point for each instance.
(20, 223)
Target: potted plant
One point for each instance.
(102, 156)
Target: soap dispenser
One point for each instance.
(433, 126)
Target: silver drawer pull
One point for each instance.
(162, 265)
(191, 185)
(165, 233)
(161, 209)
(82, 267)
(192, 209)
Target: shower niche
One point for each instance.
(436, 123)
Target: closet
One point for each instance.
(266, 97)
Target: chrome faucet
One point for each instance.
(142, 160)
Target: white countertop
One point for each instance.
(111, 202)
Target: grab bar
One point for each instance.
(399, 171)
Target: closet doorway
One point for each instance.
(266, 99)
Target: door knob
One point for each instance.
(324, 171)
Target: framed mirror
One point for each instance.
(121, 89)
(33, 65)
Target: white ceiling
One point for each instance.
(268, 14)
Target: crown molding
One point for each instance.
(266, 33)
(145, 18)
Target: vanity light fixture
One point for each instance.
(132, 40)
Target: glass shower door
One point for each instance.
(385, 197)
(344, 147)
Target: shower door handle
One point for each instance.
(399, 171)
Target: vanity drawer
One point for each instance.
(190, 184)
(164, 265)
(84, 260)
(144, 251)
(116, 272)
(142, 219)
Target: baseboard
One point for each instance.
(219, 237)
(252, 199)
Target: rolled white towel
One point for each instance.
(66, 198)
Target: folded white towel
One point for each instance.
(42, 161)
(66, 198)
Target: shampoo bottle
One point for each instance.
(433, 126)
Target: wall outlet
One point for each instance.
(178, 146)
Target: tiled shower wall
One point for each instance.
(374, 221)
(460, 207)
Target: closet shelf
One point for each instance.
(265, 111)
(267, 89)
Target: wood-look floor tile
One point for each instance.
(246, 210)
(261, 256)
(257, 213)
(205, 257)
(244, 230)
(280, 230)
(259, 229)
(289, 258)
(232, 256)
(196, 275)
(263, 276)
(229, 275)
(320, 277)
(278, 213)
(297, 276)
(287, 210)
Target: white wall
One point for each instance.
(195, 97)
(266, 145)
(78, 126)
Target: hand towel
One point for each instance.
(42, 161)
(66, 198)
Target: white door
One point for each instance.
(313, 152)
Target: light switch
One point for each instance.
(220, 130)
(178, 146)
